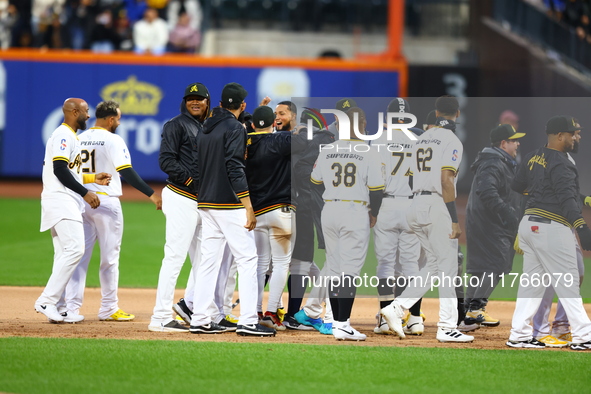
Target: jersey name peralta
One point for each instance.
(436, 150)
(62, 145)
(397, 156)
(349, 169)
(103, 151)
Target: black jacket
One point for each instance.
(492, 204)
(221, 147)
(178, 155)
(268, 170)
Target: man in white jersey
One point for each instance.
(432, 215)
(105, 151)
(62, 204)
(394, 241)
(351, 171)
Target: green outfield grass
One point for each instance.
(26, 254)
(32, 365)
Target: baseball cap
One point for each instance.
(561, 123)
(398, 105)
(431, 118)
(233, 93)
(263, 117)
(504, 132)
(345, 104)
(318, 119)
(196, 89)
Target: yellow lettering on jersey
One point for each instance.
(541, 160)
(76, 163)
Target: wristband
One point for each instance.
(451, 207)
(88, 178)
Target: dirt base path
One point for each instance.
(18, 318)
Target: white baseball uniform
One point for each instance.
(101, 151)
(61, 211)
(436, 150)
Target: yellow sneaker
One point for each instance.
(567, 337)
(120, 316)
(481, 316)
(281, 313)
(405, 318)
(232, 319)
(550, 341)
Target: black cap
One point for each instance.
(504, 132)
(399, 105)
(233, 93)
(447, 105)
(263, 117)
(431, 118)
(561, 123)
(196, 89)
(345, 104)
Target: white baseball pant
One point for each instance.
(549, 248)
(221, 226)
(68, 246)
(183, 235)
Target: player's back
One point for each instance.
(397, 157)
(103, 151)
(436, 150)
(349, 170)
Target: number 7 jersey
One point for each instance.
(349, 169)
(436, 150)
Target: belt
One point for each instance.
(424, 193)
(391, 196)
(357, 201)
(539, 219)
(103, 193)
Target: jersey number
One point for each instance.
(423, 156)
(349, 174)
(88, 156)
(400, 156)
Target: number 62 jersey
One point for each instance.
(349, 169)
(437, 149)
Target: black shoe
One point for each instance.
(255, 330)
(581, 346)
(529, 344)
(211, 328)
(228, 325)
(183, 311)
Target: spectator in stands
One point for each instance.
(56, 35)
(135, 10)
(8, 18)
(104, 37)
(159, 6)
(42, 13)
(21, 32)
(150, 35)
(183, 38)
(191, 7)
(80, 16)
(555, 8)
(124, 31)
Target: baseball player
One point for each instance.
(62, 204)
(546, 237)
(268, 171)
(105, 151)
(351, 172)
(179, 202)
(224, 204)
(394, 242)
(431, 216)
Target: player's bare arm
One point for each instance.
(449, 196)
(251, 220)
(157, 200)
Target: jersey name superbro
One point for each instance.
(349, 169)
(436, 150)
(103, 151)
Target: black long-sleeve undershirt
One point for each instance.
(132, 177)
(63, 174)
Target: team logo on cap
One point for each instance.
(347, 104)
(193, 89)
(261, 122)
(230, 100)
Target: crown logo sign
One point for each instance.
(134, 97)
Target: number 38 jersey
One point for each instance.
(436, 150)
(349, 169)
(103, 151)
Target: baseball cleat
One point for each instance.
(210, 328)
(255, 330)
(414, 326)
(302, 318)
(550, 341)
(581, 346)
(228, 325)
(271, 320)
(393, 315)
(231, 318)
(281, 313)
(407, 316)
(326, 329)
(529, 344)
(452, 335)
(381, 327)
(50, 311)
(567, 336)
(181, 309)
(480, 316)
(72, 317)
(291, 323)
(343, 331)
(171, 326)
(120, 316)
(463, 327)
